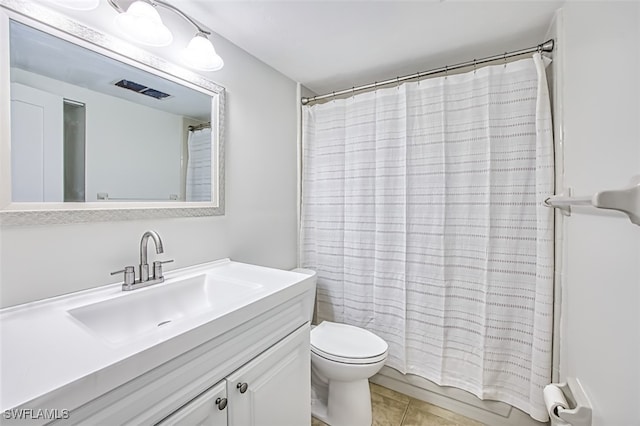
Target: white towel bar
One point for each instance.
(626, 200)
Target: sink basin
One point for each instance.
(144, 311)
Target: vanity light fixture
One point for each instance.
(142, 23)
(200, 54)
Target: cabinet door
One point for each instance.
(208, 409)
(274, 389)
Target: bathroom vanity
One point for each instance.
(224, 341)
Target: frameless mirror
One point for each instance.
(91, 129)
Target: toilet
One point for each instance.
(343, 358)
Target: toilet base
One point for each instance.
(319, 410)
(349, 404)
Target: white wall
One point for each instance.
(148, 168)
(600, 319)
(260, 221)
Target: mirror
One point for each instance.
(91, 129)
(77, 116)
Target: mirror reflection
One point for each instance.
(86, 127)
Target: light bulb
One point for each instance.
(201, 55)
(142, 23)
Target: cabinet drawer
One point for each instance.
(208, 409)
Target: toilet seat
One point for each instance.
(347, 344)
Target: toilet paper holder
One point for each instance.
(579, 409)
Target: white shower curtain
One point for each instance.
(422, 215)
(198, 185)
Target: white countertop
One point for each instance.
(43, 349)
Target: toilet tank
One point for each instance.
(312, 273)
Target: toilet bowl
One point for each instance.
(343, 358)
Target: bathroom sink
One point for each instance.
(86, 345)
(144, 311)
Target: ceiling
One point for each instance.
(332, 45)
(336, 44)
(40, 53)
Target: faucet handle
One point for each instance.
(129, 275)
(157, 268)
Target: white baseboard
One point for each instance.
(491, 413)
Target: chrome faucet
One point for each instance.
(130, 283)
(144, 266)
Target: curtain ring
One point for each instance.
(446, 71)
(398, 83)
(474, 66)
(540, 49)
(505, 59)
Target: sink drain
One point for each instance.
(163, 323)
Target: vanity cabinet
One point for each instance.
(271, 390)
(237, 352)
(269, 352)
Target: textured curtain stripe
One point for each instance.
(422, 215)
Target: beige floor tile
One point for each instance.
(387, 411)
(316, 422)
(431, 414)
(416, 417)
(391, 408)
(389, 393)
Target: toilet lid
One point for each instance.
(342, 341)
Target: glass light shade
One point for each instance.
(142, 23)
(77, 4)
(201, 55)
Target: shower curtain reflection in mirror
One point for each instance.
(198, 181)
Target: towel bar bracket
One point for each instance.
(626, 200)
(565, 209)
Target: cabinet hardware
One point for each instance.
(221, 403)
(242, 387)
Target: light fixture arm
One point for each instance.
(181, 13)
(166, 5)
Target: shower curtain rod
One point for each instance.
(200, 127)
(547, 46)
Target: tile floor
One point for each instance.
(391, 408)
